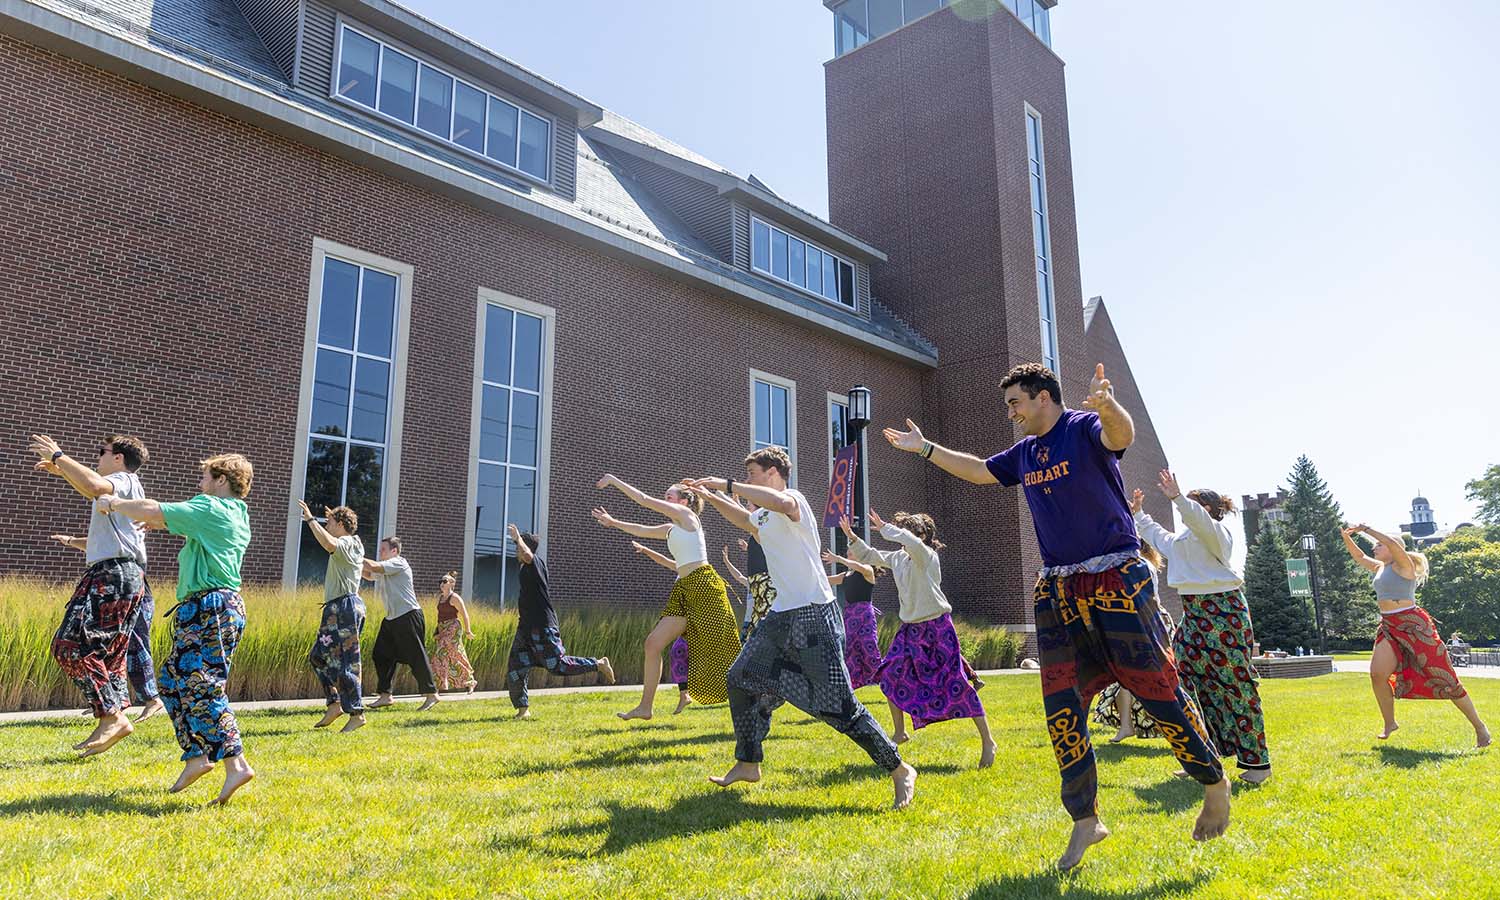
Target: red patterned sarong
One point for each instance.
(1423, 669)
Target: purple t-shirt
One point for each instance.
(1073, 486)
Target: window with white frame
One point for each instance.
(509, 487)
(802, 264)
(1041, 239)
(774, 415)
(349, 429)
(396, 84)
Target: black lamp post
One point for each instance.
(859, 417)
(1310, 546)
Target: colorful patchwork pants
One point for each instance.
(1213, 647)
(540, 647)
(91, 643)
(139, 666)
(1092, 629)
(335, 653)
(206, 629)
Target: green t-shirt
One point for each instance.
(217, 531)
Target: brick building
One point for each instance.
(401, 272)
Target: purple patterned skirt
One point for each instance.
(862, 643)
(679, 661)
(923, 674)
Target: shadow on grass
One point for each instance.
(627, 827)
(88, 805)
(1107, 750)
(636, 753)
(868, 771)
(52, 759)
(1173, 795)
(1407, 758)
(1043, 885)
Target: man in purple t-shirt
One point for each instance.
(1096, 611)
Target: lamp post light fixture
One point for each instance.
(1309, 546)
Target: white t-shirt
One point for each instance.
(792, 556)
(398, 592)
(112, 535)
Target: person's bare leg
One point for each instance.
(1086, 833)
(150, 708)
(669, 629)
(237, 774)
(1465, 705)
(330, 715)
(683, 699)
(741, 771)
(1123, 707)
(905, 780)
(987, 745)
(898, 727)
(1213, 821)
(1382, 666)
(192, 770)
(356, 722)
(113, 729)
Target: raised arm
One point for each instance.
(1214, 534)
(966, 466)
(664, 561)
(678, 513)
(854, 565)
(325, 540)
(77, 543)
(648, 532)
(145, 511)
(523, 553)
(735, 573)
(921, 554)
(861, 552)
(1356, 551)
(1403, 564)
(51, 459)
(732, 512)
(1119, 428)
(764, 497)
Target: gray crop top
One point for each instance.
(1389, 585)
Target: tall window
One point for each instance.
(401, 87)
(773, 415)
(1041, 239)
(510, 417)
(857, 22)
(349, 428)
(1035, 16)
(787, 258)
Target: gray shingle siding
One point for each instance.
(315, 54)
(740, 217)
(276, 22)
(565, 158)
(696, 203)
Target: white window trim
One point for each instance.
(791, 415)
(548, 315)
(391, 477)
(864, 456)
(448, 143)
(1032, 113)
(838, 304)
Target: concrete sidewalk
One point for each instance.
(407, 699)
(1363, 665)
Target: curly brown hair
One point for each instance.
(234, 468)
(921, 525)
(1033, 379)
(347, 518)
(1216, 503)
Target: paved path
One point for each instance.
(1363, 665)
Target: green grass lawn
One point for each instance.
(462, 802)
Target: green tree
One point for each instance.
(1485, 490)
(1350, 613)
(1281, 620)
(1462, 590)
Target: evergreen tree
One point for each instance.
(1350, 613)
(1282, 621)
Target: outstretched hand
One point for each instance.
(847, 527)
(1101, 392)
(744, 545)
(65, 539)
(105, 503)
(639, 547)
(875, 520)
(910, 440)
(605, 481)
(1137, 501)
(43, 446)
(602, 516)
(307, 515)
(1167, 482)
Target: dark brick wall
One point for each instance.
(156, 282)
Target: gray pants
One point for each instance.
(797, 657)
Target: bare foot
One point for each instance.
(740, 771)
(330, 716)
(1255, 776)
(1481, 738)
(152, 707)
(987, 755)
(1213, 821)
(428, 702)
(93, 735)
(469, 688)
(115, 730)
(1086, 833)
(235, 777)
(606, 671)
(192, 770)
(1122, 734)
(640, 712)
(905, 778)
(523, 713)
(381, 701)
(356, 722)
(683, 701)
(1389, 730)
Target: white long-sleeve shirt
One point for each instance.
(916, 569)
(1198, 557)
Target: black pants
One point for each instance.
(403, 640)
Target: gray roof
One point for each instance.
(213, 36)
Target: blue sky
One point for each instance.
(1292, 210)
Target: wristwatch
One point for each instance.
(55, 455)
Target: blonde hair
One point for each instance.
(1418, 566)
(689, 499)
(1152, 557)
(235, 469)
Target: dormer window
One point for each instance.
(801, 264)
(376, 75)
